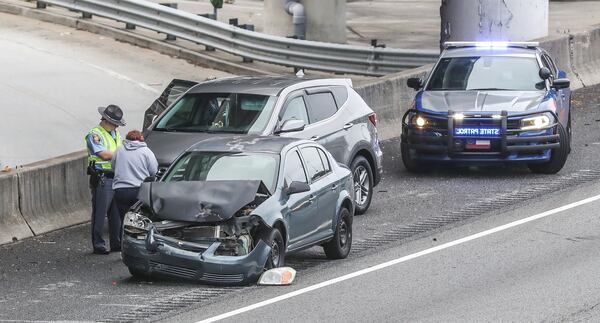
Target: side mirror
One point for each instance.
(291, 125)
(561, 83)
(545, 73)
(150, 179)
(415, 83)
(297, 187)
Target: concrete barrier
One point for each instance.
(54, 193)
(586, 56)
(389, 97)
(12, 225)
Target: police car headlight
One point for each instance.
(136, 223)
(535, 122)
(419, 121)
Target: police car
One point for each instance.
(490, 102)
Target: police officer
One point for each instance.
(102, 141)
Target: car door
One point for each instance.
(295, 107)
(299, 207)
(171, 93)
(324, 189)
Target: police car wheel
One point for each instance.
(558, 156)
(412, 165)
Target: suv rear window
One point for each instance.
(321, 106)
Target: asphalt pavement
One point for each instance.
(55, 276)
(540, 271)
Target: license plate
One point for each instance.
(477, 132)
(478, 144)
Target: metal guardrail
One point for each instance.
(329, 57)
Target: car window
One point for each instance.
(219, 112)
(486, 73)
(321, 106)
(547, 62)
(325, 160)
(341, 95)
(314, 164)
(295, 109)
(220, 166)
(294, 170)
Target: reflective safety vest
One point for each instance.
(110, 144)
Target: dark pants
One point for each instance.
(104, 206)
(125, 198)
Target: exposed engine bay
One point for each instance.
(237, 233)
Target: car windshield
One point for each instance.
(219, 113)
(486, 73)
(220, 166)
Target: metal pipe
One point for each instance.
(296, 9)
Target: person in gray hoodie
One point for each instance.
(132, 163)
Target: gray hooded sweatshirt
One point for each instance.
(133, 162)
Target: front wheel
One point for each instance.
(363, 184)
(339, 246)
(277, 255)
(411, 164)
(558, 156)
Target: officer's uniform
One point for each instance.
(101, 180)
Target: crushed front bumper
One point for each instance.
(164, 256)
(438, 142)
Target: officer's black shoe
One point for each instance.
(101, 251)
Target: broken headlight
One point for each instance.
(136, 223)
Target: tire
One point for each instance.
(558, 156)
(412, 165)
(277, 255)
(339, 247)
(570, 132)
(362, 173)
(138, 274)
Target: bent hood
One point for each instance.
(166, 146)
(481, 101)
(210, 201)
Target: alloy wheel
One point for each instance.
(361, 185)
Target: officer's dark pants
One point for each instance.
(104, 206)
(125, 198)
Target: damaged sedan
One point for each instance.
(230, 208)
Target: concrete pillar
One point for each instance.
(493, 20)
(325, 20)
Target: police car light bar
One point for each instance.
(489, 44)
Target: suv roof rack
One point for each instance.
(490, 44)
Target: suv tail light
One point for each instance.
(373, 118)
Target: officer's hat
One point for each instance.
(112, 114)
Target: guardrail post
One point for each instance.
(251, 28)
(209, 16)
(40, 5)
(129, 26)
(174, 6)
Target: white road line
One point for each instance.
(400, 260)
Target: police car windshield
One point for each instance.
(486, 73)
(220, 166)
(219, 113)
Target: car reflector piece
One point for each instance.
(278, 276)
